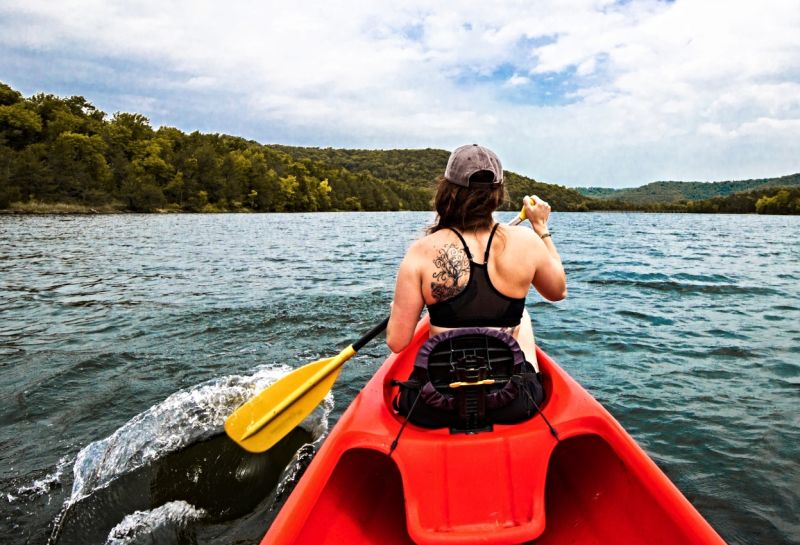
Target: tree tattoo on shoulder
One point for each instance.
(452, 265)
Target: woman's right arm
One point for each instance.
(407, 304)
(550, 280)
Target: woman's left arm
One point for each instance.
(406, 306)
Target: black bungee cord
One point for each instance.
(553, 431)
(403, 426)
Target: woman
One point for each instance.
(470, 271)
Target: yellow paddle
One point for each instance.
(519, 218)
(278, 409)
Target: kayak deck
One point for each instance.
(516, 484)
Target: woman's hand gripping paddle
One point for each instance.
(279, 408)
(519, 218)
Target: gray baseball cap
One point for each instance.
(467, 160)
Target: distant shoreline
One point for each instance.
(67, 209)
(56, 209)
(68, 157)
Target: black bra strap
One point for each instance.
(489, 243)
(464, 242)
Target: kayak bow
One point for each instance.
(512, 485)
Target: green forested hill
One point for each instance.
(597, 192)
(419, 168)
(764, 200)
(64, 152)
(669, 192)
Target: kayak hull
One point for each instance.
(592, 485)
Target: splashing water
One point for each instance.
(43, 486)
(152, 445)
(171, 517)
(183, 418)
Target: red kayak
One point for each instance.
(515, 484)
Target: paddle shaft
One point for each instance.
(371, 334)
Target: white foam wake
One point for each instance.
(139, 525)
(43, 486)
(185, 417)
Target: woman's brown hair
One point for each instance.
(467, 208)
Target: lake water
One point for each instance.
(125, 341)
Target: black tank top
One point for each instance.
(479, 304)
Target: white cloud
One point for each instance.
(627, 92)
(516, 80)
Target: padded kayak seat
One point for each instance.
(469, 379)
(495, 354)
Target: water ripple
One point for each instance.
(686, 331)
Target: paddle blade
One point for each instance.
(245, 425)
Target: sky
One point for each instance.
(575, 92)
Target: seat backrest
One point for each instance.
(470, 350)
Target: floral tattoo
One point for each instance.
(452, 265)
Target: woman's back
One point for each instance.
(444, 264)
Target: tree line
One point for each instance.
(66, 151)
(767, 200)
(670, 192)
(419, 168)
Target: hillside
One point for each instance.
(63, 154)
(764, 200)
(415, 167)
(669, 192)
(419, 168)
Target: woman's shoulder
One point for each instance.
(518, 233)
(431, 240)
(424, 249)
(423, 245)
(514, 234)
(518, 245)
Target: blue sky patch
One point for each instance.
(413, 32)
(548, 89)
(529, 43)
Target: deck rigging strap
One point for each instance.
(405, 422)
(553, 431)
